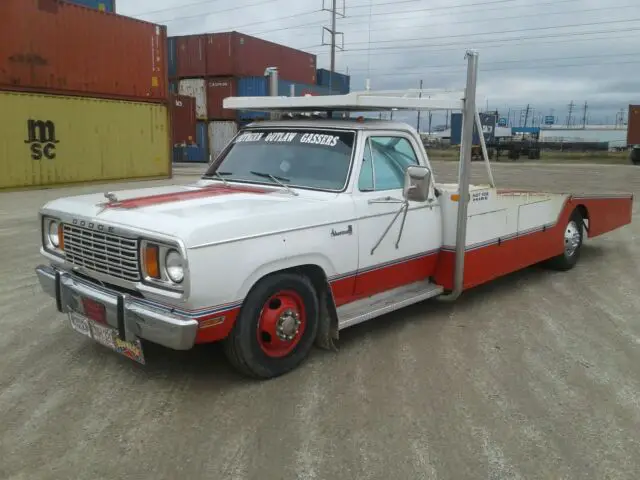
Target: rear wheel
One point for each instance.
(573, 236)
(276, 328)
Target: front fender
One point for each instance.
(285, 263)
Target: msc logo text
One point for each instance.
(41, 136)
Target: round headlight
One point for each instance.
(174, 265)
(54, 238)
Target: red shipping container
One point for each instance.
(633, 125)
(51, 46)
(237, 55)
(183, 119)
(217, 90)
(191, 56)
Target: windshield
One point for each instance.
(305, 158)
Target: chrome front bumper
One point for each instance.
(129, 315)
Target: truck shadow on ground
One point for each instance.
(208, 365)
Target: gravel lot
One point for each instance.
(536, 375)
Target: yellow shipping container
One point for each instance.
(51, 139)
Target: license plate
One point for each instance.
(106, 336)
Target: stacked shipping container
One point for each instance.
(212, 67)
(337, 81)
(83, 95)
(102, 5)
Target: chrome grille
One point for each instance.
(102, 252)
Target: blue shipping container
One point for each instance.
(202, 134)
(259, 87)
(339, 82)
(196, 153)
(102, 5)
(190, 154)
(172, 60)
(529, 130)
(301, 89)
(488, 125)
(252, 87)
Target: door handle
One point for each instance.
(386, 200)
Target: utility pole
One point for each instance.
(571, 105)
(584, 115)
(526, 115)
(332, 31)
(420, 111)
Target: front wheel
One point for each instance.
(573, 237)
(276, 327)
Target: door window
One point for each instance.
(384, 163)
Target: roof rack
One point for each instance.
(365, 101)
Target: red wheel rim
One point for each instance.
(281, 324)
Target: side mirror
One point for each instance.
(417, 180)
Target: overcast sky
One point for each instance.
(543, 53)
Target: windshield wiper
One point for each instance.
(276, 179)
(219, 175)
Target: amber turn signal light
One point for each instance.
(151, 261)
(60, 237)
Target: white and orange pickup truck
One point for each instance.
(301, 228)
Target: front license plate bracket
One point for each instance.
(107, 336)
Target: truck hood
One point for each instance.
(205, 212)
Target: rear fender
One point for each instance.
(604, 213)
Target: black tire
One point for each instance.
(574, 229)
(243, 348)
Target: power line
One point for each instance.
(501, 62)
(479, 42)
(454, 68)
(201, 2)
(240, 7)
(398, 2)
(444, 14)
(205, 14)
(498, 19)
(519, 30)
(451, 7)
(208, 2)
(491, 44)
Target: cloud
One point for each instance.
(540, 53)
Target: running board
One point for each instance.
(385, 302)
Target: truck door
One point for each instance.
(408, 251)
